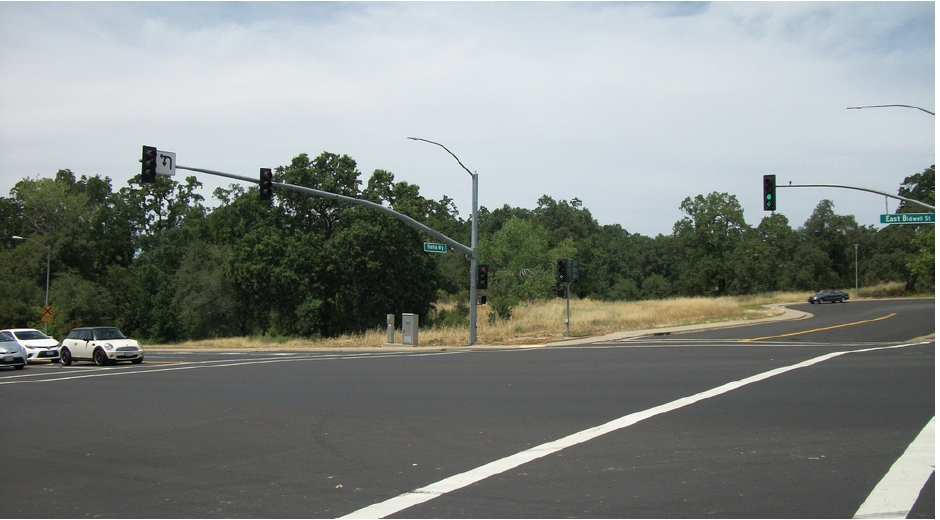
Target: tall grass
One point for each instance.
(542, 321)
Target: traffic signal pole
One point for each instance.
(474, 237)
(335, 196)
(912, 201)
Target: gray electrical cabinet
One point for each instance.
(409, 329)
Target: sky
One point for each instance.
(629, 107)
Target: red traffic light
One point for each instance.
(148, 164)
(483, 278)
(266, 187)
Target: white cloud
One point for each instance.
(630, 107)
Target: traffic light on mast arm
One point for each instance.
(770, 192)
(148, 165)
(561, 270)
(266, 188)
(483, 274)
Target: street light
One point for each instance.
(474, 228)
(48, 255)
(883, 106)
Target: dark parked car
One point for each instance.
(828, 296)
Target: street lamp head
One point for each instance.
(14, 237)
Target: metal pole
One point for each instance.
(474, 237)
(882, 106)
(856, 272)
(568, 307)
(45, 324)
(335, 196)
(474, 226)
(845, 187)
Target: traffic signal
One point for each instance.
(575, 271)
(483, 274)
(770, 192)
(148, 165)
(267, 189)
(561, 270)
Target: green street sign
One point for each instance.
(909, 218)
(430, 247)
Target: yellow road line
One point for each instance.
(820, 329)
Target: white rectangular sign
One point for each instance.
(166, 163)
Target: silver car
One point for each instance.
(11, 353)
(37, 345)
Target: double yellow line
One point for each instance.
(819, 329)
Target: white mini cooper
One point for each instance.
(102, 345)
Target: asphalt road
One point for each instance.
(803, 421)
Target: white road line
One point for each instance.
(432, 491)
(895, 495)
(197, 365)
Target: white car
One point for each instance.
(11, 353)
(37, 345)
(102, 345)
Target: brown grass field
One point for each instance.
(544, 321)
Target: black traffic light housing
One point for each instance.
(561, 270)
(265, 184)
(148, 165)
(483, 275)
(575, 271)
(770, 193)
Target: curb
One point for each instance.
(788, 315)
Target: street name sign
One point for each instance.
(166, 163)
(909, 218)
(430, 247)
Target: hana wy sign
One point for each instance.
(909, 218)
(430, 247)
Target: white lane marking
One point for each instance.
(432, 491)
(106, 372)
(896, 494)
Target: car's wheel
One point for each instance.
(138, 360)
(100, 358)
(65, 357)
(20, 367)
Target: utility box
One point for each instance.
(409, 329)
(390, 321)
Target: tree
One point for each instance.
(521, 264)
(829, 233)
(707, 238)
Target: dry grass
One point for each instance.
(531, 323)
(540, 322)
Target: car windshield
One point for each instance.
(108, 333)
(6, 336)
(30, 334)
